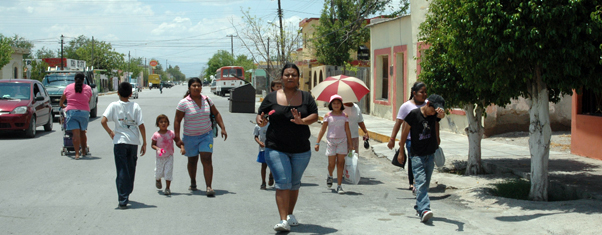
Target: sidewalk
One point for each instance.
(570, 174)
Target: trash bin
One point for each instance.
(242, 99)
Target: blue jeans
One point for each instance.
(126, 156)
(287, 168)
(423, 166)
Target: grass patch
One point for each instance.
(512, 188)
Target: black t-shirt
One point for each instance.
(284, 135)
(423, 133)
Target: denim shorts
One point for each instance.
(77, 119)
(198, 144)
(287, 168)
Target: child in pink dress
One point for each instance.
(338, 139)
(163, 143)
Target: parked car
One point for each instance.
(213, 87)
(134, 91)
(24, 106)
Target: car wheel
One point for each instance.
(31, 131)
(48, 126)
(93, 111)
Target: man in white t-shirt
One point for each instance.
(129, 129)
(356, 121)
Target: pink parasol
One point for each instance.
(350, 88)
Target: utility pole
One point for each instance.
(62, 66)
(92, 62)
(129, 63)
(282, 58)
(232, 45)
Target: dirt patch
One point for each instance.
(559, 142)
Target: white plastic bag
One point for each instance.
(439, 157)
(351, 173)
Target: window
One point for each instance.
(591, 103)
(16, 73)
(36, 90)
(385, 78)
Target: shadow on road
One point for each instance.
(520, 218)
(138, 205)
(309, 185)
(449, 221)
(311, 228)
(369, 181)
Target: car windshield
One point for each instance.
(12, 91)
(59, 79)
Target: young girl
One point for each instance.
(163, 144)
(338, 139)
(259, 134)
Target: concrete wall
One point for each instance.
(16, 61)
(586, 132)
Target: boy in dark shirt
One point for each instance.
(423, 126)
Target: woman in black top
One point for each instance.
(288, 149)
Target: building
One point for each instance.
(14, 68)
(395, 66)
(586, 125)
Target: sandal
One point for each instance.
(271, 181)
(192, 188)
(210, 193)
(158, 184)
(263, 187)
(411, 187)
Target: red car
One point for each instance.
(24, 105)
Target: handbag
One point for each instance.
(395, 162)
(213, 121)
(439, 157)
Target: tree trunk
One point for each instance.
(474, 131)
(539, 138)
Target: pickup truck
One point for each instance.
(56, 81)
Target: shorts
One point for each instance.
(77, 119)
(287, 168)
(261, 157)
(198, 144)
(336, 146)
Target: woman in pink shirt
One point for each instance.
(77, 114)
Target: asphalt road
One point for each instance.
(46, 193)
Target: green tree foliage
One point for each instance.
(176, 74)
(20, 42)
(6, 51)
(543, 49)
(45, 53)
(99, 54)
(38, 69)
(342, 27)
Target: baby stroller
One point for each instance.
(67, 136)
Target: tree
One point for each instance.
(98, 54)
(38, 69)
(6, 51)
(342, 27)
(461, 86)
(20, 42)
(45, 53)
(544, 49)
(264, 42)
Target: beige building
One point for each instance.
(14, 68)
(395, 65)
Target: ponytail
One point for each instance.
(415, 88)
(79, 82)
(187, 93)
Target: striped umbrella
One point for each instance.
(350, 88)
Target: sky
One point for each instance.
(185, 33)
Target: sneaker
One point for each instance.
(340, 190)
(426, 215)
(282, 226)
(167, 192)
(329, 181)
(158, 184)
(292, 221)
(263, 187)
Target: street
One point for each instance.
(46, 193)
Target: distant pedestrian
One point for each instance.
(356, 121)
(77, 112)
(162, 143)
(197, 111)
(288, 150)
(423, 125)
(338, 139)
(417, 99)
(129, 130)
(259, 132)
